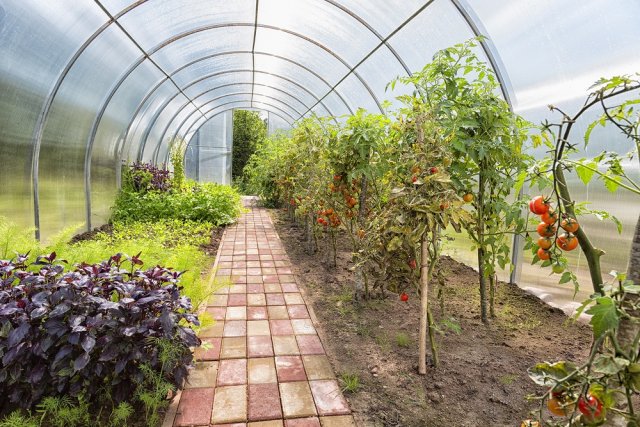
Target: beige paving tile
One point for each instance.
(297, 400)
(229, 404)
(272, 423)
(303, 326)
(271, 288)
(219, 300)
(258, 328)
(293, 299)
(339, 421)
(285, 345)
(236, 313)
(317, 367)
(278, 312)
(256, 299)
(203, 375)
(233, 348)
(238, 289)
(212, 331)
(328, 397)
(262, 370)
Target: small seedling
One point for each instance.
(403, 340)
(350, 382)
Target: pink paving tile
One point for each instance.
(298, 311)
(290, 368)
(252, 252)
(309, 344)
(232, 372)
(289, 287)
(257, 313)
(230, 425)
(259, 346)
(266, 257)
(275, 299)
(195, 407)
(281, 327)
(217, 313)
(238, 271)
(267, 264)
(255, 288)
(328, 397)
(264, 402)
(236, 328)
(302, 422)
(284, 271)
(253, 264)
(270, 278)
(239, 264)
(210, 353)
(237, 299)
(253, 257)
(254, 271)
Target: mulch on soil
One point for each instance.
(482, 378)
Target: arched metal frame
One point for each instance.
(461, 5)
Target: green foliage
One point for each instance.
(121, 414)
(249, 131)
(210, 202)
(403, 340)
(63, 411)
(18, 419)
(350, 382)
(176, 157)
(15, 239)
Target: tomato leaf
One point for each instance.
(548, 374)
(609, 365)
(566, 277)
(604, 316)
(585, 172)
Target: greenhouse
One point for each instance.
(319, 213)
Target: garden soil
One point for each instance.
(482, 378)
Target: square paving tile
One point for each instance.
(271, 423)
(269, 270)
(264, 402)
(218, 300)
(262, 370)
(256, 299)
(255, 271)
(270, 278)
(210, 350)
(339, 421)
(235, 328)
(303, 327)
(259, 346)
(255, 288)
(317, 367)
(254, 279)
(212, 331)
(293, 298)
(272, 288)
(275, 299)
(297, 400)
(253, 264)
(233, 348)
(290, 368)
(195, 407)
(258, 327)
(298, 311)
(237, 313)
(278, 312)
(221, 272)
(203, 375)
(238, 289)
(239, 279)
(309, 344)
(237, 299)
(218, 313)
(328, 397)
(285, 345)
(230, 404)
(289, 287)
(257, 313)
(281, 327)
(232, 372)
(303, 422)
(220, 282)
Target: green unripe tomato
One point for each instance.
(557, 268)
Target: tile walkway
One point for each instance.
(265, 365)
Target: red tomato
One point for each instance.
(567, 242)
(546, 230)
(543, 254)
(412, 264)
(414, 178)
(337, 177)
(556, 407)
(538, 205)
(570, 225)
(550, 217)
(468, 198)
(591, 408)
(404, 297)
(433, 170)
(545, 242)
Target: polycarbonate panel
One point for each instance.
(37, 39)
(115, 6)
(212, 147)
(336, 104)
(437, 27)
(186, 127)
(142, 121)
(105, 159)
(62, 153)
(155, 130)
(276, 123)
(305, 52)
(384, 15)
(167, 140)
(221, 91)
(287, 98)
(234, 97)
(319, 111)
(204, 43)
(212, 65)
(293, 72)
(378, 70)
(568, 44)
(198, 86)
(287, 86)
(356, 95)
(283, 106)
(322, 22)
(164, 19)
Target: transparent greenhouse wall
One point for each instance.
(276, 123)
(208, 156)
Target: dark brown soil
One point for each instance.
(90, 235)
(482, 378)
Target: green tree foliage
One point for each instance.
(249, 130)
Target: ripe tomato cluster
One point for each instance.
(562, 404)
(331, 218)
(547, 229)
